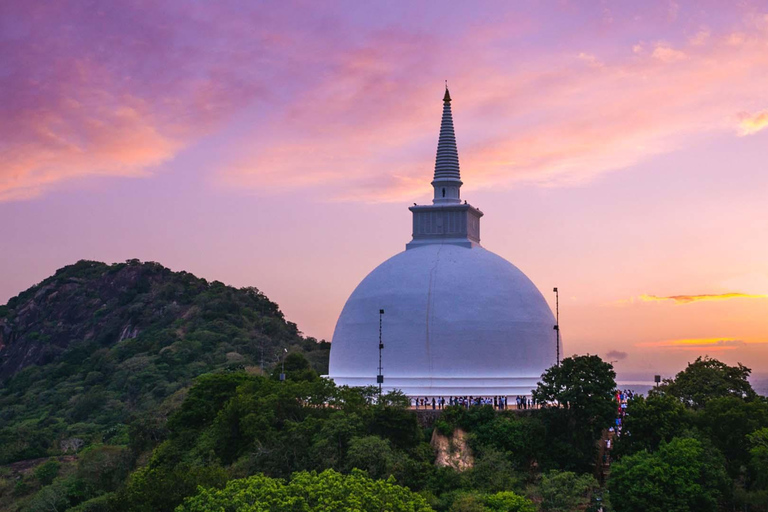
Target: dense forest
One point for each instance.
(188, 426)
(97, 348)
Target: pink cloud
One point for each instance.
(701, 37)
(667, 54)
(113, 90)
(547, 118)
(591, 60)
(68, 138)
(350, 107)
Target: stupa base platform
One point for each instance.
(447, 386)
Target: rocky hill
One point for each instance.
(95, 345)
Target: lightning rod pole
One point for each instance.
(557, 324)
(380, 376)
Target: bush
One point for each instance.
(564, 491)
(51, 497)
(492, 472)
(309, 492)
(681, 476)
(46, 472)
(21, 488)
(507, 501)
(103, 503)
(370, 454)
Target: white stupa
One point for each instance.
(458, 319)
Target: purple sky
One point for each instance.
(618, 149)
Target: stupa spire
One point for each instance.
(447, 180)
(447, 220)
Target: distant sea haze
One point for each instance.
(760, 383)
(642, 383)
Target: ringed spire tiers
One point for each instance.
(447, 181)
(446, 220)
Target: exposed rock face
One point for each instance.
(72, 444)
(454, 451)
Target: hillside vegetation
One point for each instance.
(97, 348)
(257, 444)
(130, 388)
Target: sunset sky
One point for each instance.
(619, 151)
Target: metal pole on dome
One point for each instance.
(557, 324)
(380, 376)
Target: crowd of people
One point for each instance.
(503, 403)
(622, 397)
(500, 403)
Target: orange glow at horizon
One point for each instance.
(687, 299)
(697, 344)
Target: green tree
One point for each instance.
(332, 441)
(371, 454)
(103, 468)
(46, 472)
(681, 476)
(297, 367)
(758, 452)
(706, 379)
(505, 501)
(393, 420)
(584, 384)
(728, 421)
(326, 491)
(50, 497)
(468, 502)
(579, 394)
(209, 394)
(158, 488)
(564, 491)
(508, 501)
(492, 472)
(521, 438)
(649, 421)
(103, 503)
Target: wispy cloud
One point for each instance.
(616, 354)
(350, 106)
(701, 37)
(687, 299)
(699, 344)
(591, 60)
(668, 54)
(114, 91)
(557, 120)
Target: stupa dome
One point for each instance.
(458, 319)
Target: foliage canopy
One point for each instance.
(681, 476)
(706, 379)
(307, 492)
(98, 350)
